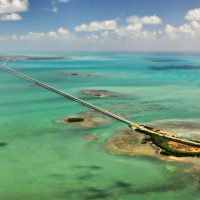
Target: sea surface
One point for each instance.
(41, 159)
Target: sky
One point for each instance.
(99, 25)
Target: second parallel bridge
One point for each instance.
(147, 130)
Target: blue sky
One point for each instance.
(100, 25)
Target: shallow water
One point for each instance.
(44, 160)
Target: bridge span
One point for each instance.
(138, 127)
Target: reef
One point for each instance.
(3, 144)
(90, 137)
(162, 59)
(182, 128)
(130, 142)
(86, 119)
(99, 93)
(138, 143)
(78, 74)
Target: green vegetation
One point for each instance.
(167, 150)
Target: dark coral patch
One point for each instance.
(99, 93)
(175, 67)
(162, 59)
(95, 193)
(92, 167)
(3, 144)
(122, 184)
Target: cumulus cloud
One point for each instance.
(135, 27)
(55, 3)
(133, 30)
(59, 34)
(63, 1)
(144, 20)
(171, 31)
(54, 9)
(11, 9)
(188, 30)
(10, 17)
(63, 31)
(105, 34)
(193, 15)
(97, 26)
(92, 37)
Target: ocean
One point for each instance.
(41, 159)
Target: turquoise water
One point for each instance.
(44, 160)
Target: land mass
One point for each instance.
(24, 57)
(169, 144)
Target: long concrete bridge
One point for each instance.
(141, 128)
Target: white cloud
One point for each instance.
(187, 30)
(59, 34)
(97, 26)
(135, 27)
(10, 17)
(193, 15)
(10, 9)
(105, 34)
(52, 34)
(63, 31)
(54, 9)
(135, 31)
(31, 36)
(92, 37)
(54, 4)
(63, 1)
(132, 34)
(171, 31)
(13, 6)
(144, 20)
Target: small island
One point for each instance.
(170, 147)
(133, 142)
(99, 93)
(169, 142)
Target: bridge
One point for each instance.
(138, 127)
